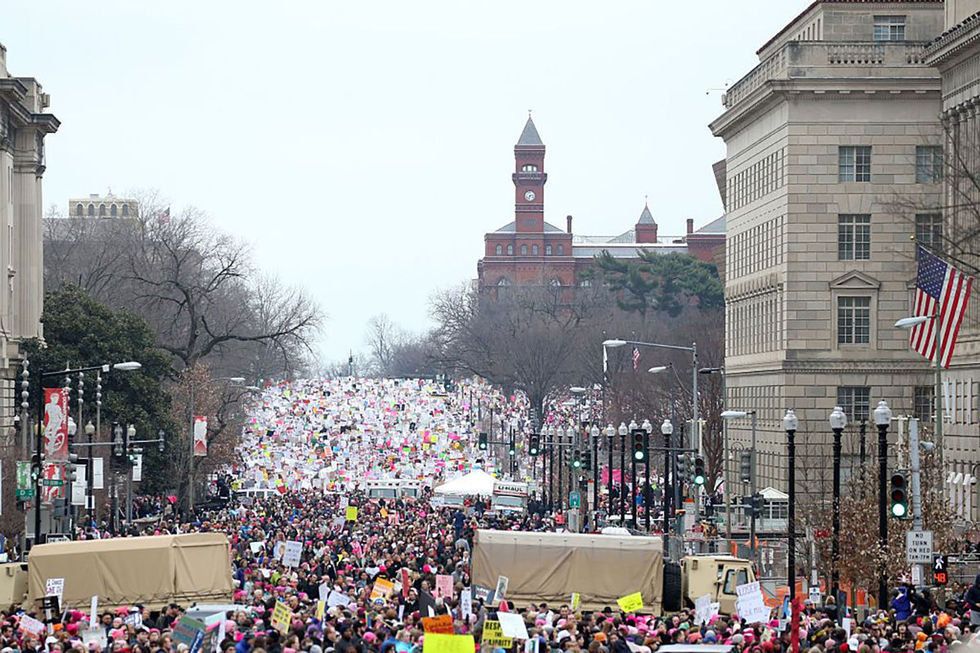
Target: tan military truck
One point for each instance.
(550, 567)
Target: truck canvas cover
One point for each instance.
(152, 571)
(548, 567)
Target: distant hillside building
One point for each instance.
(103, 206)
(531, 251)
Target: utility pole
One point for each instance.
(916, 486)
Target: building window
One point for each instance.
(854, 401)
(91, 210)
(854, 163)
(79, 211)
(853, 320)
(929, 229)
(523, 250)
(853, 237)
(500, 250)
(555, 283)
(561, 250)
(547, 250)
(924, 402)
(510, 250)
(534, 250)
(101, 210)
(113, 211)
(125, 210)
(928, 164)
(889, 28)
(529, 167)
(585, 283)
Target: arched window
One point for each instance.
(561, 250)
(101, 210)
(91, 210)
(125, 211)
(499, 250)
(555, 283)
(510, 250)
(112, 210)
(79, 211)
(529, 167)
(523, 250)
(503, 281)
(585, 283)
(534, 250)
(547, 250)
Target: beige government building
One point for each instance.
(23, 126)
(834, 163)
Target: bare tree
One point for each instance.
(383, 338)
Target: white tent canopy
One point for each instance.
(476, 482)
(772, 494)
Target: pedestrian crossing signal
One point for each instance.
(940, 575)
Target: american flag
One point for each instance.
(636, 358)
(939, 288)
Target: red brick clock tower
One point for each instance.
(529, 179)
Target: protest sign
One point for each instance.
(55, 587)
(93, 618)
(575, 601)
(466, 603)
(444, 587)
(443, 624)
(189, 632)
(493, 636)
(631, 602)
(31, 625)
(282, 617)
(351, 513)
(336, 598)
(292, 554)
(436, 643)
(501, 591)
(750, 605)
(512, 625)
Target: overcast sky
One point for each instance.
(363, 148)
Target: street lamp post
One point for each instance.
(790, 424)
(647, 489)
(838, 420)
(736, 414)
(633, 427)
(912, 322)
(610, 441)
(883, 417)
(190, 463)
(622, 475)
(667, 429)
(594, 434)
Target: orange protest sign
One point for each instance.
(441, 625)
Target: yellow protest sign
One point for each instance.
(631, 602)
(576, 601)
(382, 589)
(321, 606)
(282, 617)
(493, 636)
(351, 513)
(435, 643)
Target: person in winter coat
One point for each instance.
(901, 604)
(972, 600)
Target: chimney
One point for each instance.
(568, 223)
(690, 226)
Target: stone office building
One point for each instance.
(23, 126)
(832, 141)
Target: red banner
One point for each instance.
(53, 473)
(200, 435)
(55, 424)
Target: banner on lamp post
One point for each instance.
(98, 479)
(25, 486)
(200, 435)
(55, 424)
(138, 468)
(52, 482)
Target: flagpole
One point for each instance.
(939, 394)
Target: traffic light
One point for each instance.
(577, 458)
(534, 444)
(745, 466)
(689, 459)
(699, 473)
(483, 443)
(586, 459)
(639, 439)
(757, 502)
(512, 448)
(899, 495)
(681, 467)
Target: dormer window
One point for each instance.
(529, 167)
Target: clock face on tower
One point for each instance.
(529, 196)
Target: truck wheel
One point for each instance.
(672, 587)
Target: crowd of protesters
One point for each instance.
(336, 604)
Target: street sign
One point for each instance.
(940, 573)
(52, 482)
(917, 575)
(918, 547)
(574, 499)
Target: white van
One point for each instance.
(509, 497)
(392, 488)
